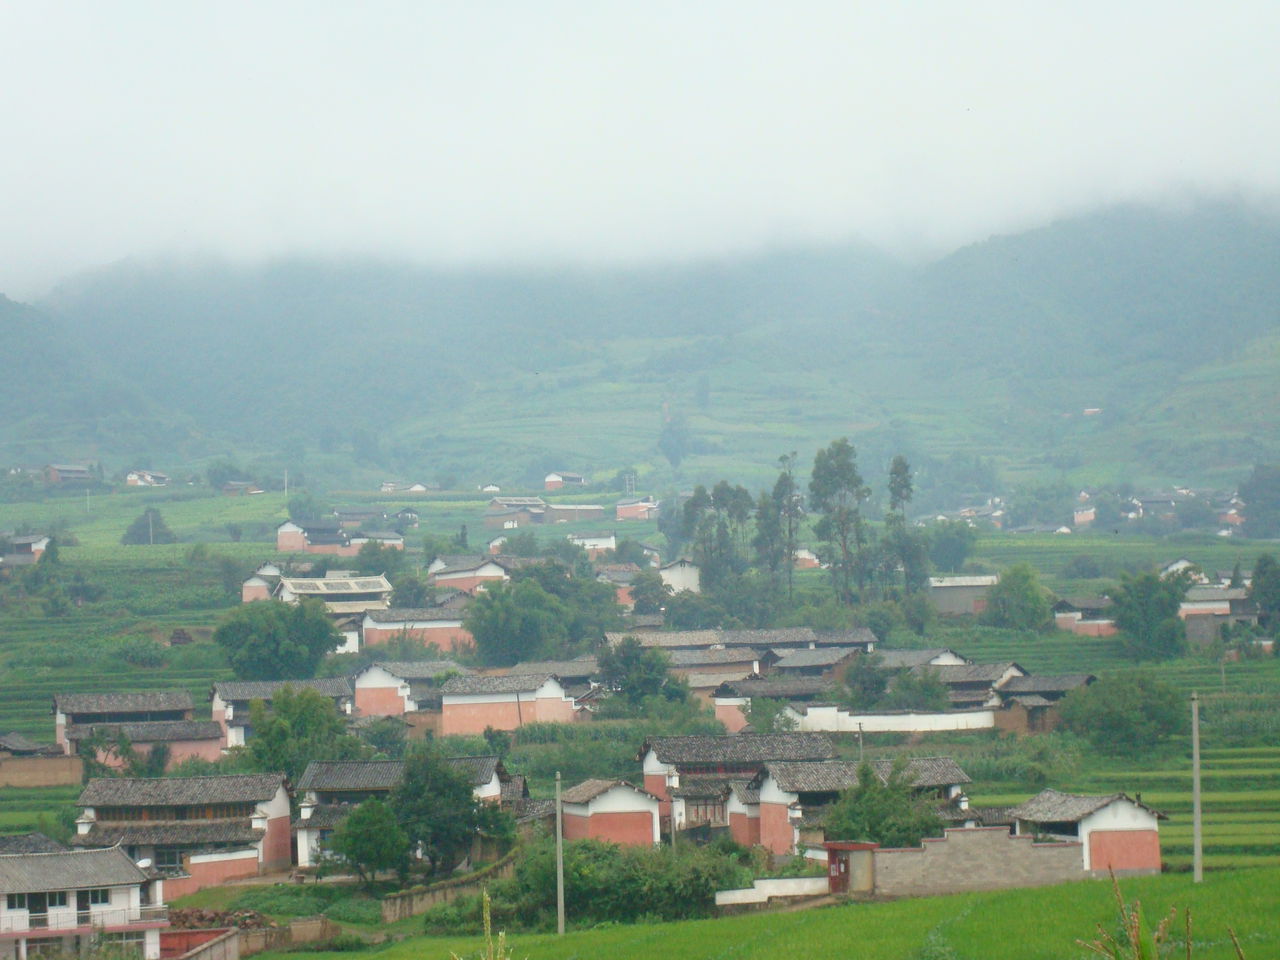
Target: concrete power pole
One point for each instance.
(1197, 837)
(559, 860)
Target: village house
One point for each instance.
(612, 810)
(577, 677)
(468, 572)
(820, 662)
(1205, 610)
(682, 574)
(732, 699)
(469, 705)
(430, 626)
(788, 791)
(555, 481)
(22, 550)
(1116, 833)
(672, 763)
(353, 518)
(510, 513)
(391, 688)
(200, 831)
(69, 474)
(183, 739)
(573, 512)
(908, 659)
(232, 701)
(71, 710)
(314, 536)
(1085, 616)
(805, 559)
(596, 545)
(67, 902)
(340, 593)
(636, 508)
(961, 596)
(329, 791)
(620, 576)
(146, 478)
(387, 539)
(975, 684)
(241, 488)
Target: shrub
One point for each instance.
(355, 910)
(142, 652)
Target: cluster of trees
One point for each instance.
(55, 586)
(272, 640)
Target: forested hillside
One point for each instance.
(1168, 322)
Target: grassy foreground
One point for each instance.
(1038, 924)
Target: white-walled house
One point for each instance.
(682, 574)
(65, 901)
(612, 810)
(1116, 832)
(232, 701)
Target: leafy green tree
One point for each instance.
(1145, 607)
(630, 551)
(1125, 714)
(373, 558)
(434, 804)
(636, 672)
(271, 640)
(412, 592)
(917, 690)
(149, 528)
(1261, 496)
(836, 491)
(889, 812)
(950, 543)
(1195, 514)
(675, 441)
(865, 682)
(515, 621)
(300, 726)
(906, 550)
(648, 592)
(687, 610)
(370, 840)
(1018, 602)
(1264, 590)
(385, 737)
(306, 506)
(591, 607)
(900, 488)
(767, 715)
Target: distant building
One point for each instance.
(961, 595)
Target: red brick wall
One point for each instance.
(290, 542)
(474, 717)
(378, 702)
(627, 829)
(656, 783)
(731, 715)
(276, 848)
(466, 584)
(254, 591)
(446, 638)
(211, 874)
(1124, 850)
(174, 943)
(744, 830)
(553, 710)
(776, 834)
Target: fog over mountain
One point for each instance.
(560, 134)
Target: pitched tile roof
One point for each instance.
(351, 775)
(588, 790)
(481, 769)
(970, 672)
(1055, 684)
(237, 832)
(745, 792)
(835, 775)
(821, 657)
(67, 870)
(667, 639)
(712, 678)
(29, 843)
(770, 637)
(1053, 806)
(904, 659)
(324, 816)
(247, 690)
(335, 586)
(413, 614)
(140, 702)
(180, 791)
(523, 683)
(778, 688)
(741, 748)
(148, 731)
(713, 655)
(17, 743)
(421, 669)
(857, 636)
(582, 667)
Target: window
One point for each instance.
(58, 898)
(40, 946)
(168, 858)
(130, 942)
(99, 897)
(16, 901)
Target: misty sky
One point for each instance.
(596, 131)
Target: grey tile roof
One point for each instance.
(238, 832)
(709, 657)
(481, 770)
(1031, 700)
(776, 688)
(247, 690)
(180, 791)
(1053, 806)
(585, 667)
(970, 672)
(588, 790)
(821, 657)
(703, 788)
(667, 640)
(67, 870)
(324, 816)
(413, 614)
(461, 563)
(858, 636)
(17, 743)
(745, 792)
(741, 748)
(905, 659)
(772, 637)
(29, 843)
(351, 775)
(1044, 684)
(141, 702)
(421, 669)
(713, 677)
(149, 731)
(836, 775)
(530, 809)
(525, 683)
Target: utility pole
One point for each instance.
(286, 483)
(1197, 838)
(151, 533)
(859, 743)
(559, 859)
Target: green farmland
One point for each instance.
(1034, 924)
